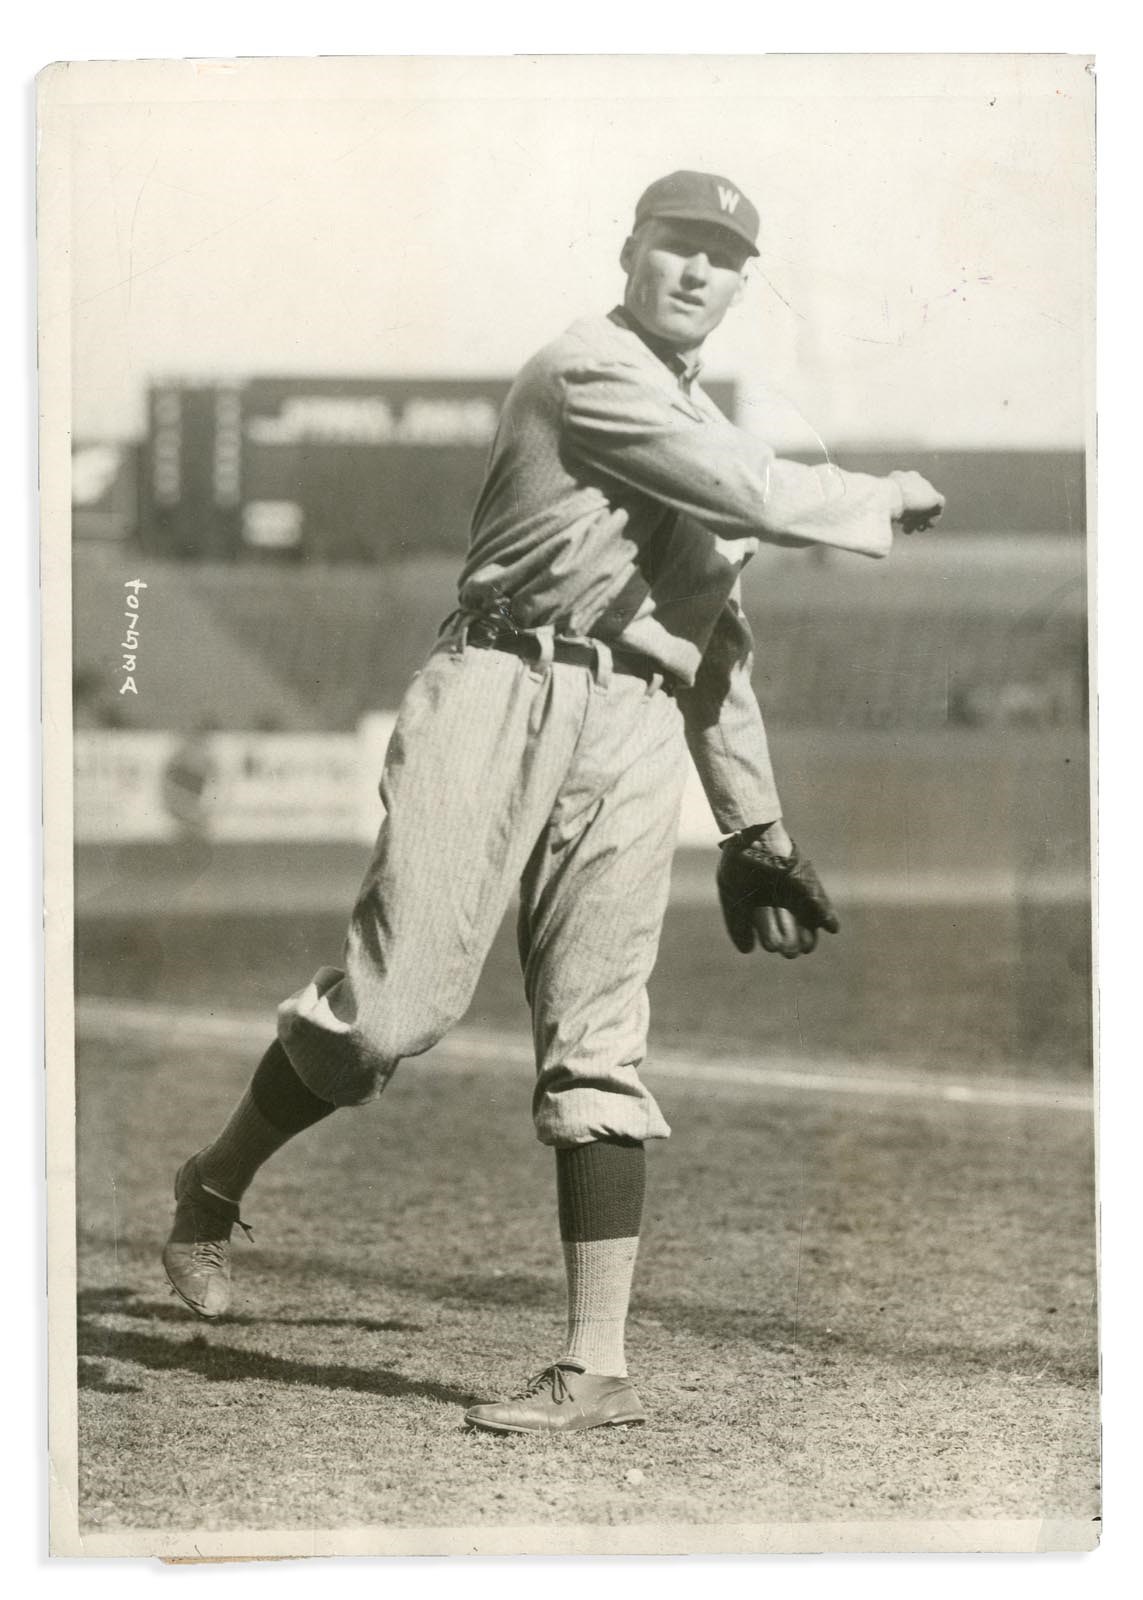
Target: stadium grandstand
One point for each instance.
(298, 542)
(946, 634)
(300, 539)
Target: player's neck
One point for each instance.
(684, 363)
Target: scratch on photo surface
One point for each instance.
(791, 308)
(798, 1278)
(131, 233)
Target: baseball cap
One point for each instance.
(700, 197)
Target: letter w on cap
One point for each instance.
(728, 199)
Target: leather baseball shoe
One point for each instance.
(559, 1399)
(196, 1257)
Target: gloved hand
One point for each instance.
(771, 893)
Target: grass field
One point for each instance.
(853, 1303)
(997, 987)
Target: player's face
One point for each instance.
(682, 279)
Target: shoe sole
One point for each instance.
(509, 1427)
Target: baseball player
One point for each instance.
(599, 634)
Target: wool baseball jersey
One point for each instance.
(620, 504)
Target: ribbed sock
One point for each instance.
(600, 1188)
(276, 1106)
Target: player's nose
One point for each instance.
(696, 268)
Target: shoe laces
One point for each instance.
(549, 1377)
(210, 1253)
(213, 1252)
(209, 1240)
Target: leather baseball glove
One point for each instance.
(776, 900)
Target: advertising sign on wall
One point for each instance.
(155, 786)
(322, 787)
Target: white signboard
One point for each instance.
(248, 786)
(136, 786)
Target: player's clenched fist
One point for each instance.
(772, 897)
(921, 504)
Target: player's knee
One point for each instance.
(358, 1069)
(385, 1038)
(350, 1064)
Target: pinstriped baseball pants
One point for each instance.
(501, 772)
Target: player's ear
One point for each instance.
(627, 254)
(740, 286)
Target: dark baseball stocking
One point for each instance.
(600, 1188)
(276, 1106)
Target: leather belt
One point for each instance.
(569, 652)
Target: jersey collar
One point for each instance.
(685, 371)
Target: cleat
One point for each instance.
(561, 1399)
(196, 1256)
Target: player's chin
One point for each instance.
(683, 324)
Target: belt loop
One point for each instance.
(453, 632)
(602, 665)
(654, 684)
(546, 639)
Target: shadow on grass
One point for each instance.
(220, 1363)
(777, 1334)
(93, 1375)
(128, 1303)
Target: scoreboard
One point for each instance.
(323, 468)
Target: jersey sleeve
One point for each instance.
(635, 433)
(724, 728)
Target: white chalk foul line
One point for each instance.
(114, 1021)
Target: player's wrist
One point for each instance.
(773, 834)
